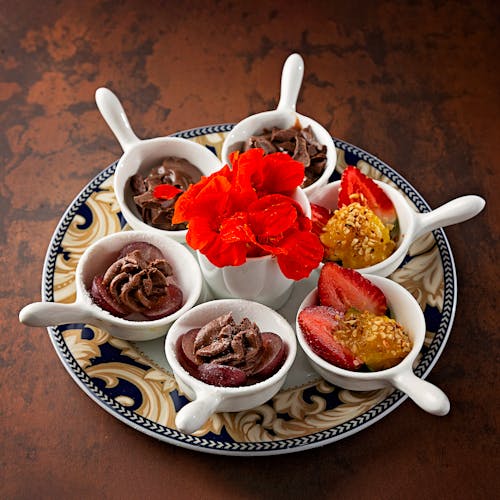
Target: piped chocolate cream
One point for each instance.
(223, 341)
(139, 281)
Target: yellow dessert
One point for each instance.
(355, 236)
(379, 341)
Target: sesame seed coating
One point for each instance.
(355, 236)
(380, 341)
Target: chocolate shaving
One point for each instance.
(225, 342)
(300, 143)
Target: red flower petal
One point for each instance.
(203, 236)
(272, 215)
(282, 173)
(246, 176)
(271, 246)
(166, 191)
(209, 196)
(201, 233)
(236, 229)
(272, 173)
(302, 254)
(303, 223)
(248, 168)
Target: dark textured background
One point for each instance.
(416, 83)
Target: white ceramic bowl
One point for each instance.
(406, 310)
(142, 155)
(259, 278)
(284, 116)
(208, 399)
(94, 261)
(412, 224)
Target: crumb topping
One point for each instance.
(380, 341)
(355, 236)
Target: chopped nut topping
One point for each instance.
(379, 341)
(357, 237)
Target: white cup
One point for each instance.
(259, 279)
(283, 117)
(94, 261)
(406, 311)
(207, 399)
(412, 224)
(142, 155)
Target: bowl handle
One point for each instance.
(453, 212)
(426, 395)
(113, 113)
(193, 415)
(291, 80)
(53, 313)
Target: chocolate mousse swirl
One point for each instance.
(138, 283)
(225, 342)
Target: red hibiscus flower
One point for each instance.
(246, 211)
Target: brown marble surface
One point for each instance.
(415, 82)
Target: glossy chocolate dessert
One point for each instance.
(156, 211)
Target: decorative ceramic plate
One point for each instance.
(133, 381)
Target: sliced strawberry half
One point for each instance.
(319, 217)
(318, 324)
(343, 288)
(356, 186)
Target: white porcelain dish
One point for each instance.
(406, 310)
(142, 155)
(94, 261)
(259, 278)
(412, 224)
(208, 399)
(133, 382)
(284, 116)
